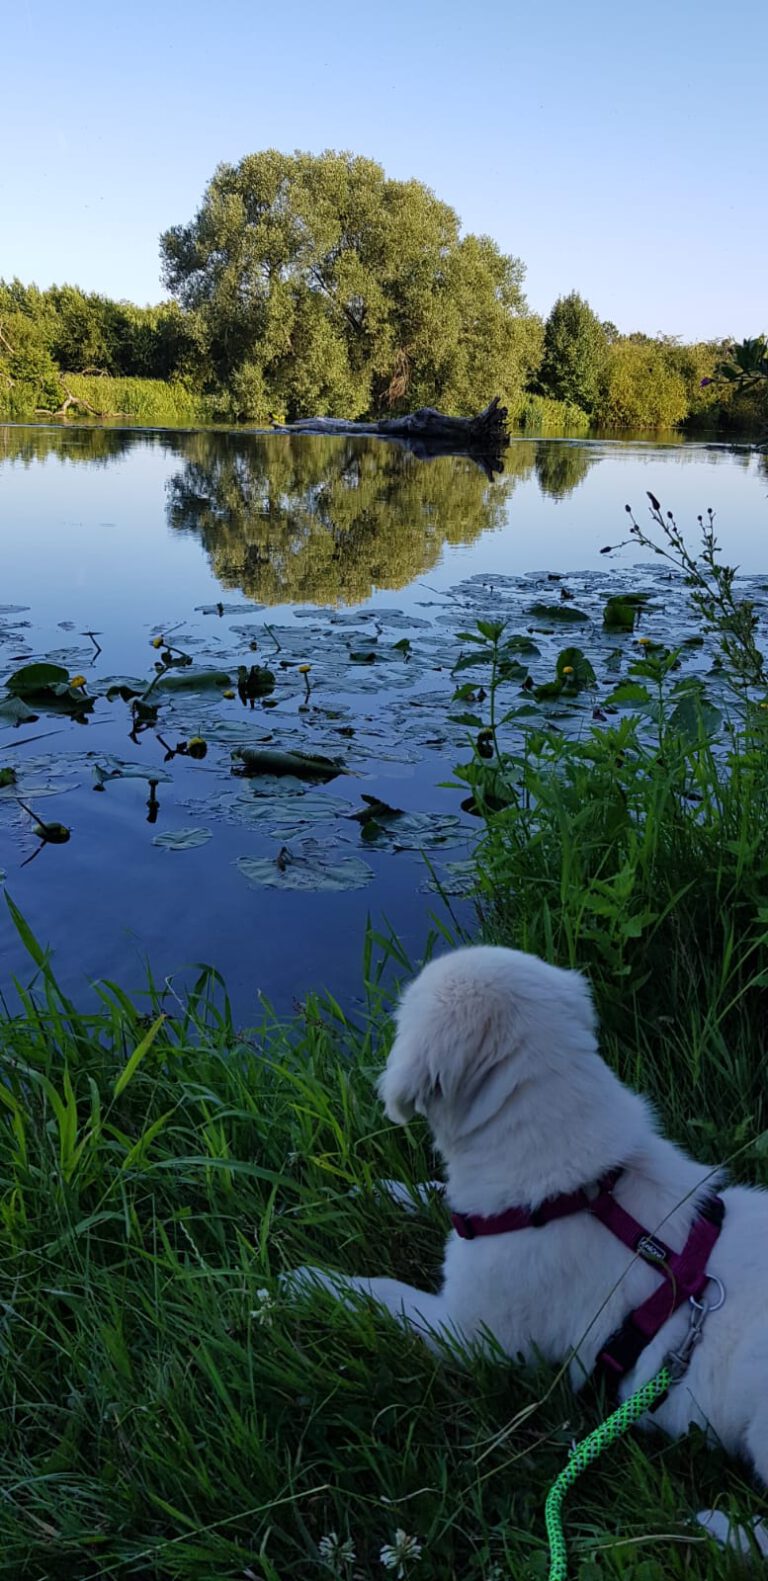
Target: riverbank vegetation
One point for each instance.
(167, 1412)
(315, 285)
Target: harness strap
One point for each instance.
(684, 1274)
(685, 1278)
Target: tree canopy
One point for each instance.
(320, 285)
(575, 353)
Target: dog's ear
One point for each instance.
(449, 1063)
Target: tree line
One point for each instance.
(313, 284)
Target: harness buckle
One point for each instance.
(652, 1251)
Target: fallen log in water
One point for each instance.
(426, 432)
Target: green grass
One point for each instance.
(147, 401)
(143, 400)
(161, 1418)
(536, 414)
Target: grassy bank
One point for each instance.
(167, 1414)
(149, 401)
(165, 1411)
(172, 404)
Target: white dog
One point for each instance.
(498, 1050)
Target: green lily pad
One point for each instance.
(35, 678)
(306, 867)
(193, 680)
(182, 839)
(567, 613)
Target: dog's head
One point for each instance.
(474, 1028)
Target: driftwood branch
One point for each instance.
(427, 432)
(72, 400)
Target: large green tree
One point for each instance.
(575, 352)
(323, 286)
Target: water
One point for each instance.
(345, 548)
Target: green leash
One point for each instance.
(585, 1454)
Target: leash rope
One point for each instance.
(586, 1453)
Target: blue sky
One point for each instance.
(617, 149)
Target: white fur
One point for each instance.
(498, 1050)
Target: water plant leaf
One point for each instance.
(14, 711)
(412, 831)
(182, 839)
(191, 680)
(267, 760)
(111, 768)
(32, 679)
(286, 816)
(567, 613)
(306, 867)
(574, 669)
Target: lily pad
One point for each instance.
(182, 839)
(190, 680)
(14, 711)
(413, 831)
(115, 769)
(33, 679)
(285, 817)
(306, 867)
(566, 613)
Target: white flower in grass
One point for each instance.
(262, 1314)
(335, 1554)
(399, 1554)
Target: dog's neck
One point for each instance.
(558, 1131)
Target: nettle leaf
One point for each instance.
(629, 692)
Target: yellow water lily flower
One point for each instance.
(644, 642)
(157, 642)
(228, 694)
(567, 669)
(77, 682)
(304, 669)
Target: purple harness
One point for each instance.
(684, 1273)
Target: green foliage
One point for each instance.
(29, 377)
(575, 353)
(340, 290)
(170, 1411)
(640, 388)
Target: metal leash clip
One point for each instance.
(678, 1361)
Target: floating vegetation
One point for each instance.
(268, 712)
(308, 867)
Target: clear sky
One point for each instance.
(618, 149)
